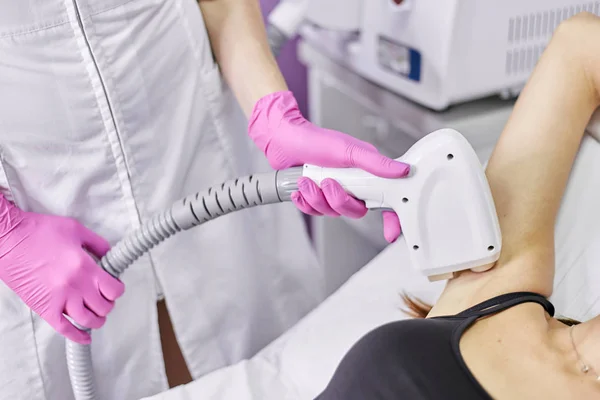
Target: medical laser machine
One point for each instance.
(437, 52)
(445, 206)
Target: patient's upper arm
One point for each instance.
(529, 168)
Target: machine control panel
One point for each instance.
(399, 59)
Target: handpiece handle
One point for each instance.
(358, 183)
(445, 205)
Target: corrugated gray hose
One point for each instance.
(233, 195)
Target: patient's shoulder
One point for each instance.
(520, 274)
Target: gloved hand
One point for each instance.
(43, 259)
(288, 139)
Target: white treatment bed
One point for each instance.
(299, 364)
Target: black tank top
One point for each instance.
(418, 358)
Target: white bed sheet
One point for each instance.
(299, 364)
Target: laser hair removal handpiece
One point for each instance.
(445, 207)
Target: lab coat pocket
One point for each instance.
(10, 184)
(6, 189)
(192, 21)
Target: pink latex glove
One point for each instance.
(43, 259)
(288, 139)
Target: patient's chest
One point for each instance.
(508, 356)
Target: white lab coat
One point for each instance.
(111, 110)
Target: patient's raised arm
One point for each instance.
(530, 165)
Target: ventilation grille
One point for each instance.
(528, 35)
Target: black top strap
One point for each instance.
(505, 301)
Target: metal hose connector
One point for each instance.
(277, 39)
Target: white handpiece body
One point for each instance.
(445, 205)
